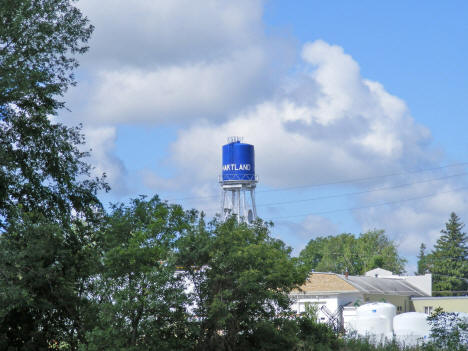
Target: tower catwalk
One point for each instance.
(238, 178)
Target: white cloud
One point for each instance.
(315, 226)
(179, 93)
(158, 32)
(346, 127)
(172, 62)
(209, 68)
(411, 223)
(102, 142)
(154, 62)
(350, 127)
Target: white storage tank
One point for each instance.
(371, 325)
(382, 309)
(373, 320)
(411, 328)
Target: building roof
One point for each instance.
(440, 298)
(383, 286)
(332, 283)
(325, 283)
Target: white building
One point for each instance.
(336, 296)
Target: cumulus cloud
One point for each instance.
(345, 127)
(177, 93)
(349, 126)
(180, 61)
(170, 62)
(157, 32)
(209, 68)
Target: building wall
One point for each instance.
(448, 304)
(332, 302)
(402, 303)
(422, 282)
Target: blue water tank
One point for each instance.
(238, 162)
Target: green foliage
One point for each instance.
(316, 336)
(448, 331)
(139, 297)
(422, 260)
(448, 261)
(357, 255)
(41, 166)
(49, 210)
(38, 43)
(45, 271)
(242, 277)
(277, 334)
(43, 170)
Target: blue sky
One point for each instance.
(329, 91)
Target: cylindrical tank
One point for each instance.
(372, 326)
(411, 328)
(238, 162)
(385, 310)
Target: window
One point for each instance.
(399, 309)
(428, 309)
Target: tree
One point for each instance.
(49, 210)
(422, 260)
(38, 43)
(449, 331)
(41, 166)
(45, 269)
(449, 259)
(138, 294)
(345, 252)
(242, 277)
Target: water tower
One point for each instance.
(237, 179)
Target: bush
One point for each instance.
(448, 331)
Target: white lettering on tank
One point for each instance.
(235, 167)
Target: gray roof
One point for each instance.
(440, 298)
(383, 286)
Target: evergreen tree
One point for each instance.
(449, 259)
(422, 260)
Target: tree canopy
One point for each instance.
(241, 277)
(139, 297)
(346, 252)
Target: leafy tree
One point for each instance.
(356, 255)
(242, 277)
(449, 259)
(422, 260)
(449, 331)
(139, 296)
(38, 43)
(41, 166)
(49, 210)
(45, 270)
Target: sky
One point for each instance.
(357, 109)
